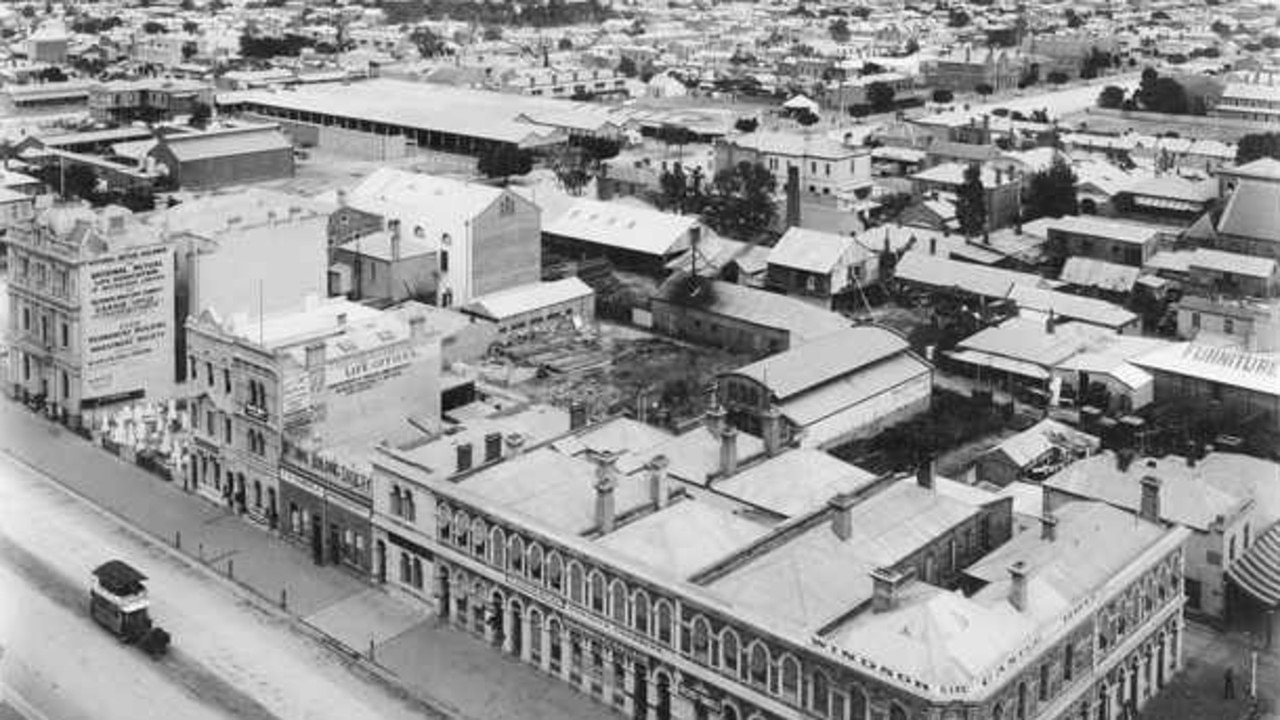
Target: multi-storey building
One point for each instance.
(91, 319)
(826, 167)
(567, 82)
(669, 585)
(1248, 101)
(152, 99)
(965, 69)
(300, 374)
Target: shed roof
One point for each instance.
(1258, 372)
(685, 537)
(214, 144)
(823, 360)
(625, 227)
(812, 250)
(531, 297)
(1091, 272)
(1253, 211)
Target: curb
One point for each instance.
(356, 661)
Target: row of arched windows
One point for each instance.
(751, 662)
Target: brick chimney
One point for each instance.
(1049, 527)
(924, 473)
(884, 589)
(793, 197)
(577, 415)
(393, 227)
(715, 418)
(606, 483)
(1018, 585)
(841, 508)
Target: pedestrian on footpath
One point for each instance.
(1229, 684)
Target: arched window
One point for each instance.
(662, 618)
(478, 537)
(758, 665)
(640, 612)
(498, 546)
(406, 568)
(897, 712)
(462, 530)
(575, 581)
(535, 635)
(997, 712)
(729, 651)
(597, 592)
(820, 696)
(417, 572)
(1022, 701)
(554, 643)
(444, 527)
(857, 704)
(515, 554)
(535, 562)
(701, 640)
(618, 602)
(789, 670)
(729, 713)
(555, 572)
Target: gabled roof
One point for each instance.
(1258, 372)
(1091, 272)
(625, 227)
(526, 298)
(400, 194)
(939, 272)
(823, 360)
(1253, 211)
(1029, 445)
(804, 321)
(685, 537)
(812, 251)
(1235, 263)
(189, 147)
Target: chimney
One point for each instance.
(417, 327)
(771, 429)
(577, 415)
(492, 446)
(924, 474)
(841, 508)
(1049, 527)
(715, 418)
(315, 356)
(342, 198)
(515, 442)
(342, 319)
(1018, 585)
(393, 227)
(1050, 322)
(793, 197)
(728, 450)
(464, 456)
(1150, 508)
(658, 490)
(606, 482)
(933, 245)
(884, 589)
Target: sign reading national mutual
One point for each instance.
(127, 305)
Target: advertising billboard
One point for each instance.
(127, 322)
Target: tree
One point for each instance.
(492, 33)
(151, 27)
(746, 125)
(806, 117)
(1073, 19)
(200, 115)
(1111, 97)
(984, 89)
(1258, 145)
(740, 204)
(571, 169)
(880, 95)
(1169, 97)
(871, 68)
(53, 73)
(564, 44)
(189, 50)
(504, 161)
(1146, 93)
(190, 27)
(1057, 77)
(957, 18)
(77, 181)
(943, 96)
(839, 30)
(971, 202)
(427, 42)
(627, 67)
(1053, 191)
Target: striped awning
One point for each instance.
(1258, 571)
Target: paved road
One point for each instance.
(451, 670)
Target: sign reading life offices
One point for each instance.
(363, 371)
(127, 306)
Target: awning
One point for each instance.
(1258, 571)
(996, 362)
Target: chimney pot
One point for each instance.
(658, 487)
(884, 588)
(771, 428)
(728, 450)
(1150, 502)
(606, 483)
(841, 507)
(924, 474)
(1018, 585)
(577, 415)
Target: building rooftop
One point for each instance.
(827, 401)
(939, 272)
(803, 145)
(1234, 263)
(213, 144)
(1073, 307)
(814, 251)
(1027, 340)
(1253, 211)
(1135, 233)
(828, 358)
(412, 197)
(795, 482)
(515, 301)
(626, 227)
(806, 322)
(379, 245)
(1094, 273)
(1258, 372)
(684, 537)
(1031, 444)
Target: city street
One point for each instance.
(231, 644)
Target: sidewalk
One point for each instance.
(453, 669)
(1197, 691)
